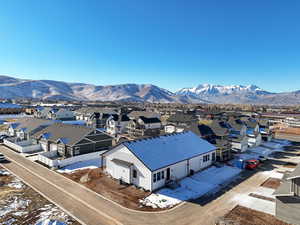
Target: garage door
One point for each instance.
(122, 172)
(53, 147)
(44, 147)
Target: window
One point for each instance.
(158, 176)
(206, 158)
(154, 177)
(162, 174)
(134, 174)
(77, 151)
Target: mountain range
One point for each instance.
(13, 88)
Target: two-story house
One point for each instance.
(237, 134)
(117, 124)
(144, 126)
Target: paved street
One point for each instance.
(91, 209)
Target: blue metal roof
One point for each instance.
(166, 150)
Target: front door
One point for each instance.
(168, 174)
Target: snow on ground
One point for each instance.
(255, 203)
(192, 187)
(16, 183)
(266, 192)
(272, 145)
(4, 173)
(282, 142)
(89, 164)
(50, 211)
(273, 174)
(51, 222)
(14, 204)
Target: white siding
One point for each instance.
(53, 147)
(143, 173)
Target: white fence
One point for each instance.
(22, 146)
(45, 158)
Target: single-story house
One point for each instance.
(24, 128)
(152, 163)
(72, 140)
(61, 114)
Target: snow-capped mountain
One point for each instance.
(11, 88)
(209, 89)
(250, 94)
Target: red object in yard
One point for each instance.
(252, 164)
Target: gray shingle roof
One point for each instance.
(31, 124)
(72, 133)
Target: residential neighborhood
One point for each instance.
(161, 162)
(143, 112)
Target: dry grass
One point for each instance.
(245, 216)
(205, 122)
(271, 183)
(125, 195)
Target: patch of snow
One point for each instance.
(17, 184)
(89, 164)
(50, 222)
(281, 141)
(266, 192)
(20, 213)
(255, 203)
(50, 213)
(15, 205)
(4, 173)
(192, 187)
(273, 174)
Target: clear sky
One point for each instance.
(169, 43)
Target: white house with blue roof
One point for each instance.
(153, 162)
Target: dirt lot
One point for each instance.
(273, 183)
(287, 136)
(21, 205)
(290, 165)
(125, 195)
(244, 216)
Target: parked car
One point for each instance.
(2, 137)
(252, 164)
(262, 158)
(2, 158)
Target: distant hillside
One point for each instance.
(13, 88)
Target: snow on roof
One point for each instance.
(166, 150)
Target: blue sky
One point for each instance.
(169, 43)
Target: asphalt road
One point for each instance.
(91, 209)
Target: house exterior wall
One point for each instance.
(82, 149)
(182, 169)
(254, 141)
(296, 186)
(144, 177)
(288, 208)
(143, 173)
(44, 145)
(11, 131)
